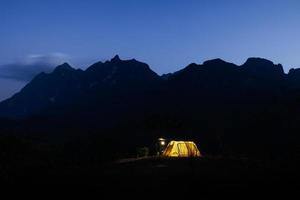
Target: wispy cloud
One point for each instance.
(26, 68)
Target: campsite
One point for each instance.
(203, 175)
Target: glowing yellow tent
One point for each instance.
(181, 149)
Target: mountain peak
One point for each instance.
(214, 62)
(294, 72)
(218, 65)
(116, 58)
(258, 61)
(261, 65)
(63, 67)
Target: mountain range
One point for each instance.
(248, 109)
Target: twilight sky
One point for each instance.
(36, 35)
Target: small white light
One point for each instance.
(162, 143)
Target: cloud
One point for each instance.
(26, 68)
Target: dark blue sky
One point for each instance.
(166, 34)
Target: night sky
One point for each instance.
(36, 35)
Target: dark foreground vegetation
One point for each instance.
(207, 176)
(25, 164)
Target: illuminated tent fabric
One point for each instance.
(181, 149)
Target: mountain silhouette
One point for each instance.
(223, 106)
(67, 85)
